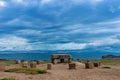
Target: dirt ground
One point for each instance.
(61, 72)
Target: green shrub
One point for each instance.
(12, 70)
(27, 71)
(106, 67)
(7, 79)
(42, 71)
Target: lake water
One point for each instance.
(46, 55)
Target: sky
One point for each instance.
(59, 25)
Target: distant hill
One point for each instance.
(110, 56)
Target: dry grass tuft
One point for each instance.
(27, 70)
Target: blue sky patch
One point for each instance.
(59, 24)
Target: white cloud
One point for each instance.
(112, 9)
(114, 21)
(73, 46)
(45, 1)
(70, 46)
(104, 41)
(25, 3)
(19, 1)
(106, 30)
(65, 46)
(32, 2)
(2, 4)
(95, 43)
(69, 3)
(28, 32)
(109, 26)
(9, 42)
(17, 21)
(14, 42)
(95, 1)
(87, 1)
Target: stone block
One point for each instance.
(49, 66)
(88, 65)
(72, 66)
(33, 65)
(25, 64)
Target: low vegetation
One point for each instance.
(110, 61)
(7, 62)
(26, 71)
(106, 67)
(7, 79)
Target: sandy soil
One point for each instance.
(61, 72)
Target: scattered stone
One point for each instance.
(25, 64)
(96, 64)
(69, 60)
(88, 65)
(33, 65)
(49, 66)
(55, 61)
(39, 62)
(72, 66)
(18, 62)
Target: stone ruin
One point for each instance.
(49, 66)
(25, 64)
(96, 64)
(33, 64)
(72, 66)
(39, 62)
(61, 58)
(18, 61)
(88, 65)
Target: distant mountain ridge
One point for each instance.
(110, 56)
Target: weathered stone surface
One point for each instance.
(18, 61)
(70, 60)
(60, 58)
(40, 62)
(96, 64)
(72, 66)
(49, 66)
(25, 64)
(55, 61)
(88, 65)
(33, 65)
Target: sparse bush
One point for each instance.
(7, 79)
(106, 67)
(42, 71)
(27, 71)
